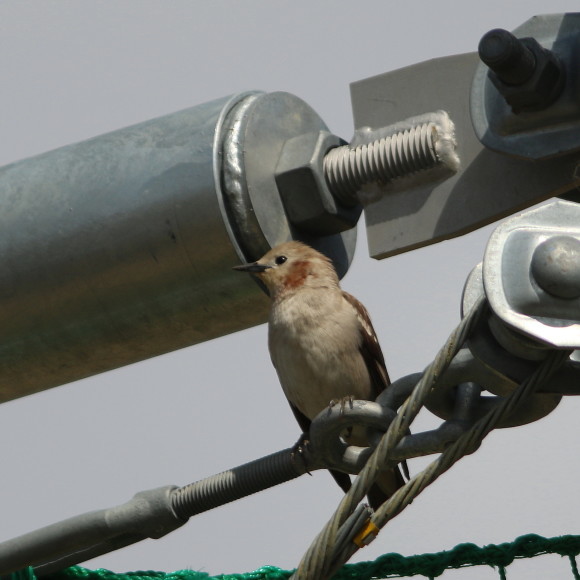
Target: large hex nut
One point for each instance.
(308, 202)
(541, 89)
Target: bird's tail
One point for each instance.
(386, 484)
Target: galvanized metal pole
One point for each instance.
(120, 248)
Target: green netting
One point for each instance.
(387, 566)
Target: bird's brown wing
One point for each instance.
(372, 354)
(370, 348)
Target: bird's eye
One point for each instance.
(280, 260)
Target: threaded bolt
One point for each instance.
(347, 168)
(511, 60)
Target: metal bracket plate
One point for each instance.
(488, 185)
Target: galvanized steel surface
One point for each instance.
(115, 250)
(120, 248)
(260, 128)
(528, 246)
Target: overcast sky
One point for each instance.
(76, 69)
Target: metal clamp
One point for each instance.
(531, 274)
(149, 514)
(325, 434)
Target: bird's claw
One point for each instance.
(299, 450)
(343, 402)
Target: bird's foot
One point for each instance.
(343, 403)
(299, 450)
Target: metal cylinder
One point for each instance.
(120, 248)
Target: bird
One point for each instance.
(322, 343)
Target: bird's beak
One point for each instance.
(253, 268)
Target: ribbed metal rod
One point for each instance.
(149, 514)
(347, 168)
(238, 482)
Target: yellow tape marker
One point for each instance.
(366, 535)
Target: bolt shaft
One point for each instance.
(507, 56)
(347, 168)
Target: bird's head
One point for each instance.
(291, 266)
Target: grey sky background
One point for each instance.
(76, 69)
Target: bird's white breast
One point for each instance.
(314, 339)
